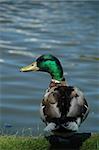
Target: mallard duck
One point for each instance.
(63, 107)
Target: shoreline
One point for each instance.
(40, 143)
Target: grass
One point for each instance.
(23, 143)
(40, 143)
(92, 143)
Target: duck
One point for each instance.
(63, 107)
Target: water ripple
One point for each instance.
(65, 29)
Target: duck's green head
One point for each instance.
(47, 63)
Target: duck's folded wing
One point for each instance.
(74, 108)
(65, 106)
(78, 105)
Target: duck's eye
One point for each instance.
(32, 64)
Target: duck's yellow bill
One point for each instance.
(31, 67)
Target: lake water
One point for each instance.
(68, 30)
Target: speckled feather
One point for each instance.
(63, 105)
